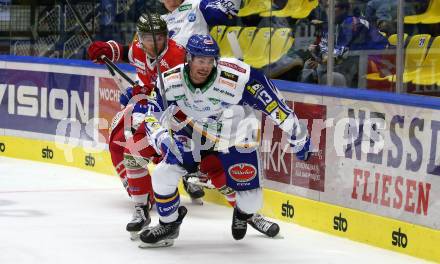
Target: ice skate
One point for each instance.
(195, 192)
(259, 223)
(239, 224)
(141, 219)
(163, 234)
(200, 180)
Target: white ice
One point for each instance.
(58, 214)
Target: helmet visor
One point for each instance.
(148, 38)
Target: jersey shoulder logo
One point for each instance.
(229, 76)
(185, 7)
(192, 17)
(254, 87)
(170, 72)
(232, 66)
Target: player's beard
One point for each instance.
(200, 76)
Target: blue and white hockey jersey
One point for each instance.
(194, 17)
(225, 109)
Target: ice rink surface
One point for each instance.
(57, 214)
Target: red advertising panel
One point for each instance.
(282, 166)
(108, 103)
(277, 161)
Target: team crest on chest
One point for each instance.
(164, 64)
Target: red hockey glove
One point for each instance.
(111, 49)
(156, 159)
(142, 90)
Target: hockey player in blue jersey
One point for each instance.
(188, 17)
(213, 106)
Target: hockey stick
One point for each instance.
(110, 65)
(173, 146)
(159, 73)
(216, 139)
(235, 46)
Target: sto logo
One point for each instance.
(242, 172)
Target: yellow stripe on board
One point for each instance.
(414, 240)
(353, 224)
(62, 154)
(356, 225)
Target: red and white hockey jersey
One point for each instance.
(173, 55)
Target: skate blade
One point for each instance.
(134, 235)
(163, 243)
(278, 236)
(197, 201)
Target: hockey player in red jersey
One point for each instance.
(129, 155)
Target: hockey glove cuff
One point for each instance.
(110, 49)
(125, 98)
